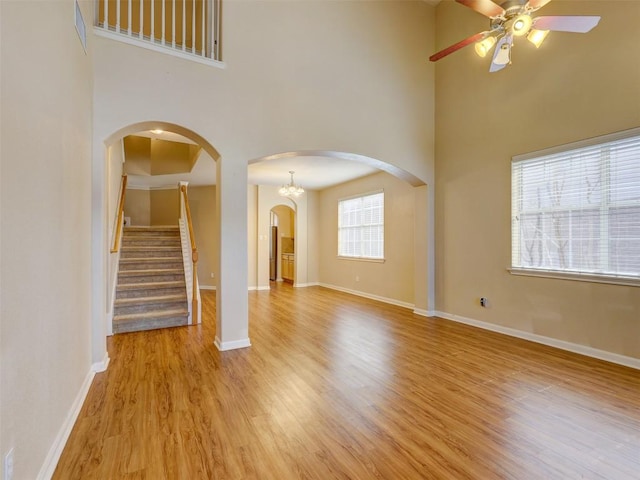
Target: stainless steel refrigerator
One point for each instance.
(273, 254)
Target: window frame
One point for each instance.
(570, 274)
(339, 227)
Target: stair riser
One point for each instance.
(145, 307)
(164, 277)
(148, 252)
(143, 265)
(149, 324)
(148, 292)
(159, 242)
(150, 233)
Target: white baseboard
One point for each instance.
(254, 288)
(102, 365)
(391, 301)
(551, 342)
(224, 346)
(304, 285)
(51, 461)
(207, 287)
(424, 313)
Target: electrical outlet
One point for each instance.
(357, 278)
(483, 302)
(213, 275)
(8, 465)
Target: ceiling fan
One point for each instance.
(513, 19)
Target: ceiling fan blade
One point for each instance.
(457, 46)
(570, 23)
(485, 7)
(502, 55)
(536, 4)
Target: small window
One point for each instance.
(576, 209)
(361, 227)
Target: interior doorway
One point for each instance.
(282, 249)
(273, 247)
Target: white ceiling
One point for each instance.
(312, 172)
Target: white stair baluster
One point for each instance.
(204, 15)
(141, 19)
(173, 24)
(118, 16)
(105, 5)
(184, 25)
(163, 22)
(152, 37)
(193, 26)
(129, 17)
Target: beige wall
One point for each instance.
(202, 201)
(137, 206)
(286, 220)
(152, 207)
(45, 221)
(574, 87)
(393, 279)
(164, 207)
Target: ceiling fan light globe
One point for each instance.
(521, 25)
(504, 55)
(537, 36)
(484, 46)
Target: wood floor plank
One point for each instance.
(337, 386)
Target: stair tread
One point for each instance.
(158, 248)
(151, 285)
(142, 228)
(151, 271)
(150, 259)
(151, 314)
(152, 299)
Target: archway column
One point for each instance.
(232, 303)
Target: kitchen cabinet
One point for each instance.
(288, 266)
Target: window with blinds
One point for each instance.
(361, 227)
(576, 209)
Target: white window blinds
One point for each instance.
(361, 227)
(577, 209)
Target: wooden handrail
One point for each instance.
(194, 255)
(123, 188)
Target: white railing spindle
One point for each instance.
(163, 22)
(129, 18)
(105, 11)
(204, 15)
(173, 24)
(184, 25)
(117, 16)
(215, 54)
(141, 35)
(193, 26)
(152, 37)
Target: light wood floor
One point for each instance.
(337, 386)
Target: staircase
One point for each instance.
(151, 291)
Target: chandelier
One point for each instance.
(291, 190)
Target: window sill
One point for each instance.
(581, 277)
(362, 259)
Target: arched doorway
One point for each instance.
(148, 169)
(282, 248)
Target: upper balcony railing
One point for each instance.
(186, 28)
